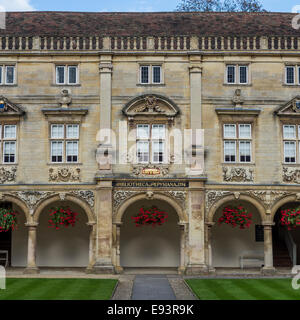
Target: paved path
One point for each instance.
(152, 287)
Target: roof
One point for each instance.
(42, 23)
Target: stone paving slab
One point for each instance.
(181, 289)
(124, 288)
(152, 287)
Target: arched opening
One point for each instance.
(147, 246)
(13, 244)
(286, 243)
(230, 244)
(66, 247)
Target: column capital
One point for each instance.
(195, 68)
(268, 224)
(105, 67)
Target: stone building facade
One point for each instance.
(68, 77)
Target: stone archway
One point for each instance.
(170, 239)
(225, 244)
(84, 242)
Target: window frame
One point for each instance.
(151, 67)
(295, 140)
(4, 140)
(237, 73)
(66, 74)
(3, 72)
(150, 140)
(295, 75)
(64, 139)
(237, 140)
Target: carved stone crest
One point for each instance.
(291, 175)
(7, 174)
(151, 105)
(237, 99)
(236, 174)
(64, 174)
(65, 100)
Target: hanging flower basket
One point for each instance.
(8, 220)
(290, 218)
(236, 217)
(62, 217)
(150, 216)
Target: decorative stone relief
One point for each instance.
(86, 195)
(65, 100)
(151, 105)
(120, 196)
(7, 174)
(32, 198)
(235, 174)
(179, 196)
(64, 174)
(291, 175)
(214, 196)
(150, 170)
(238, 99)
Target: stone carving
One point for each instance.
(179, 196)
(120, 196)
(291, 175)
(64, 174)
(7, 174)
(296, 105)
(149, 195)
(236, 174)
(62, 196)
(32, 198)
(65, 100)
(237, 99)
(150, 170)
(237, 195)
(214, 196)
(86, 195)
(151, 105)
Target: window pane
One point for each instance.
(143, 131)
(158, 131)
(245, 131)
(231, 74)
(229, 151)
(243, 74)
(145, 74)
(56, 151)
(10, 132)
(158, 151)
(9, 152)
(290, 75)
(245, 151)
(156, 74)
(72, 151)
(60, 74)
(72, 131)
(10, 74)
(289, 132)
(290, 152)
(57, 131)
(143, 151)
(229, 131)
(73, 74)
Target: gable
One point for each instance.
(7, 108)
(292, 108)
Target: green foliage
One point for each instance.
(220, 5)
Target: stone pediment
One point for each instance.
(7, 108)
(151, 105)
(292, 108)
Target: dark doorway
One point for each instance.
(6, 237)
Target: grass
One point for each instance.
(243, 289)
(58, 289)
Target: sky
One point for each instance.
(121, 5)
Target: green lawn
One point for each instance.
(243, 289)
(58, 289)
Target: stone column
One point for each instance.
(208, 248)
(268, 248)
(183, 230)
(105, 148)
(195, 91)
(31, 251)
(118, 267)
(104, 228)
(92, 242)
(196, 240)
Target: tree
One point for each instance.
(220, 5)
